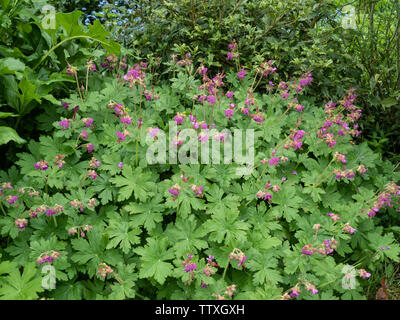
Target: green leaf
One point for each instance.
(7, 134)
(21, 287)
(186, 236)
(146, 214)
(134, 181)
(122, 232)
(153, 257)
(11, 66)
(264, 266)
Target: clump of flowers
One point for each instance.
(88, 122)
(384, 198)
(80, 230)
(174, 190)
(48, 257)
(65, 123)
(104, 270)
(294, 139)
(59, 160)
(21, 223)
(12, 199)
(197, 191)
(41, 165)
(77, 204)
(238, 255)
(364, 274)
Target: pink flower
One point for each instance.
(179, 118)
(229, 113)
(273, 161)
(92, 174)
(203, 137)
(153, 131)
(64, 123)
(84, 134)
(121, 136)
(230, 94)
(175, 190)
(211, 99)
(12, 199)
(127, 120)
(245, 111)
(364, 274)
(120, 165)
(87, 122)
(285, 94)
(241, 74)
(41, 165)
(89, 147)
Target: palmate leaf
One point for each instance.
(186, 236)
(124, 290)
(264, 266)
(123, 233)
(9, 134)
(153, 257)
(102, 186)
(261, 221)
(92, 251)
(21, 287)
(288, 203)
(387, 241)
(216, 202)
(135, 181)
(146, 214)
(225, 226)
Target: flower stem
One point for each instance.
(317, 184)
(55, 221)
(226, 268)
(77, 85)
(87, 79)
(2, 209)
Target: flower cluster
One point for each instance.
(110, 62)
(88, 122)
(325, 248)
(50, 211)
(264, 194)
(209, 268)
(295, 291)
(11, 199)
(104, 270)
(238, 255)
(228, 293)
(80, 230)
(65, 123)
(294, 139)
(232, 53)
(185, 61)
(384, 198)
(21, 223)
(59, 160)
(197, 191)
(48, 257)
(174, 190)
(41, 165)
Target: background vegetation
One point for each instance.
(301, 36)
